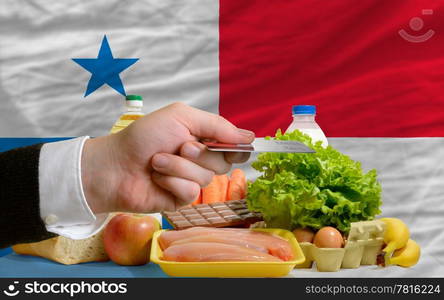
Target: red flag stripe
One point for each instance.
(345, 57)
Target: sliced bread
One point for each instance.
(65, 250)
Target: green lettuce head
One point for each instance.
(325, 188)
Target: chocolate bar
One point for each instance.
(221, 214)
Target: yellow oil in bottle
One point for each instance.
(134, 104)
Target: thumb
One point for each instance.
(203, 124)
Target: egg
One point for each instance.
(303, 235)
(328, 237)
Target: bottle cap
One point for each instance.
(304, 109)
(134, 100)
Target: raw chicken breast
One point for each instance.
(206, 252)
(168, 237)
(212, 238)
(260, 241)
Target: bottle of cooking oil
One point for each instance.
(134, 104)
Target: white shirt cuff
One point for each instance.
(63, 205)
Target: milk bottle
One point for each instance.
(304, 121)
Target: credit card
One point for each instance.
(261, 145)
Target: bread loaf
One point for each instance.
(65, 250)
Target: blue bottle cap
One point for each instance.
(304, 109)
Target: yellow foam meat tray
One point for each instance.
(230, 269)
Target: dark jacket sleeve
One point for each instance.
(20, 220)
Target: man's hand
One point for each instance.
(157, 162)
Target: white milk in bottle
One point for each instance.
(304, 121)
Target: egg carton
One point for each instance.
(362, 247)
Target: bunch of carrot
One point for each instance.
(223, 188)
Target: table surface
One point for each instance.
(19, 266)
(14, 265)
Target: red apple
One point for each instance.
(127, 238)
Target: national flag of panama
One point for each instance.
(373, 68)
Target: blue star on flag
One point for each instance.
(105, 69)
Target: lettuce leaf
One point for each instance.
(326, 188)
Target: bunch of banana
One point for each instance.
(400, 249)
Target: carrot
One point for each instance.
(198, 200)
(237, 186)
(216, 191)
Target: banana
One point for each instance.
(395, 237)
(406, 256)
